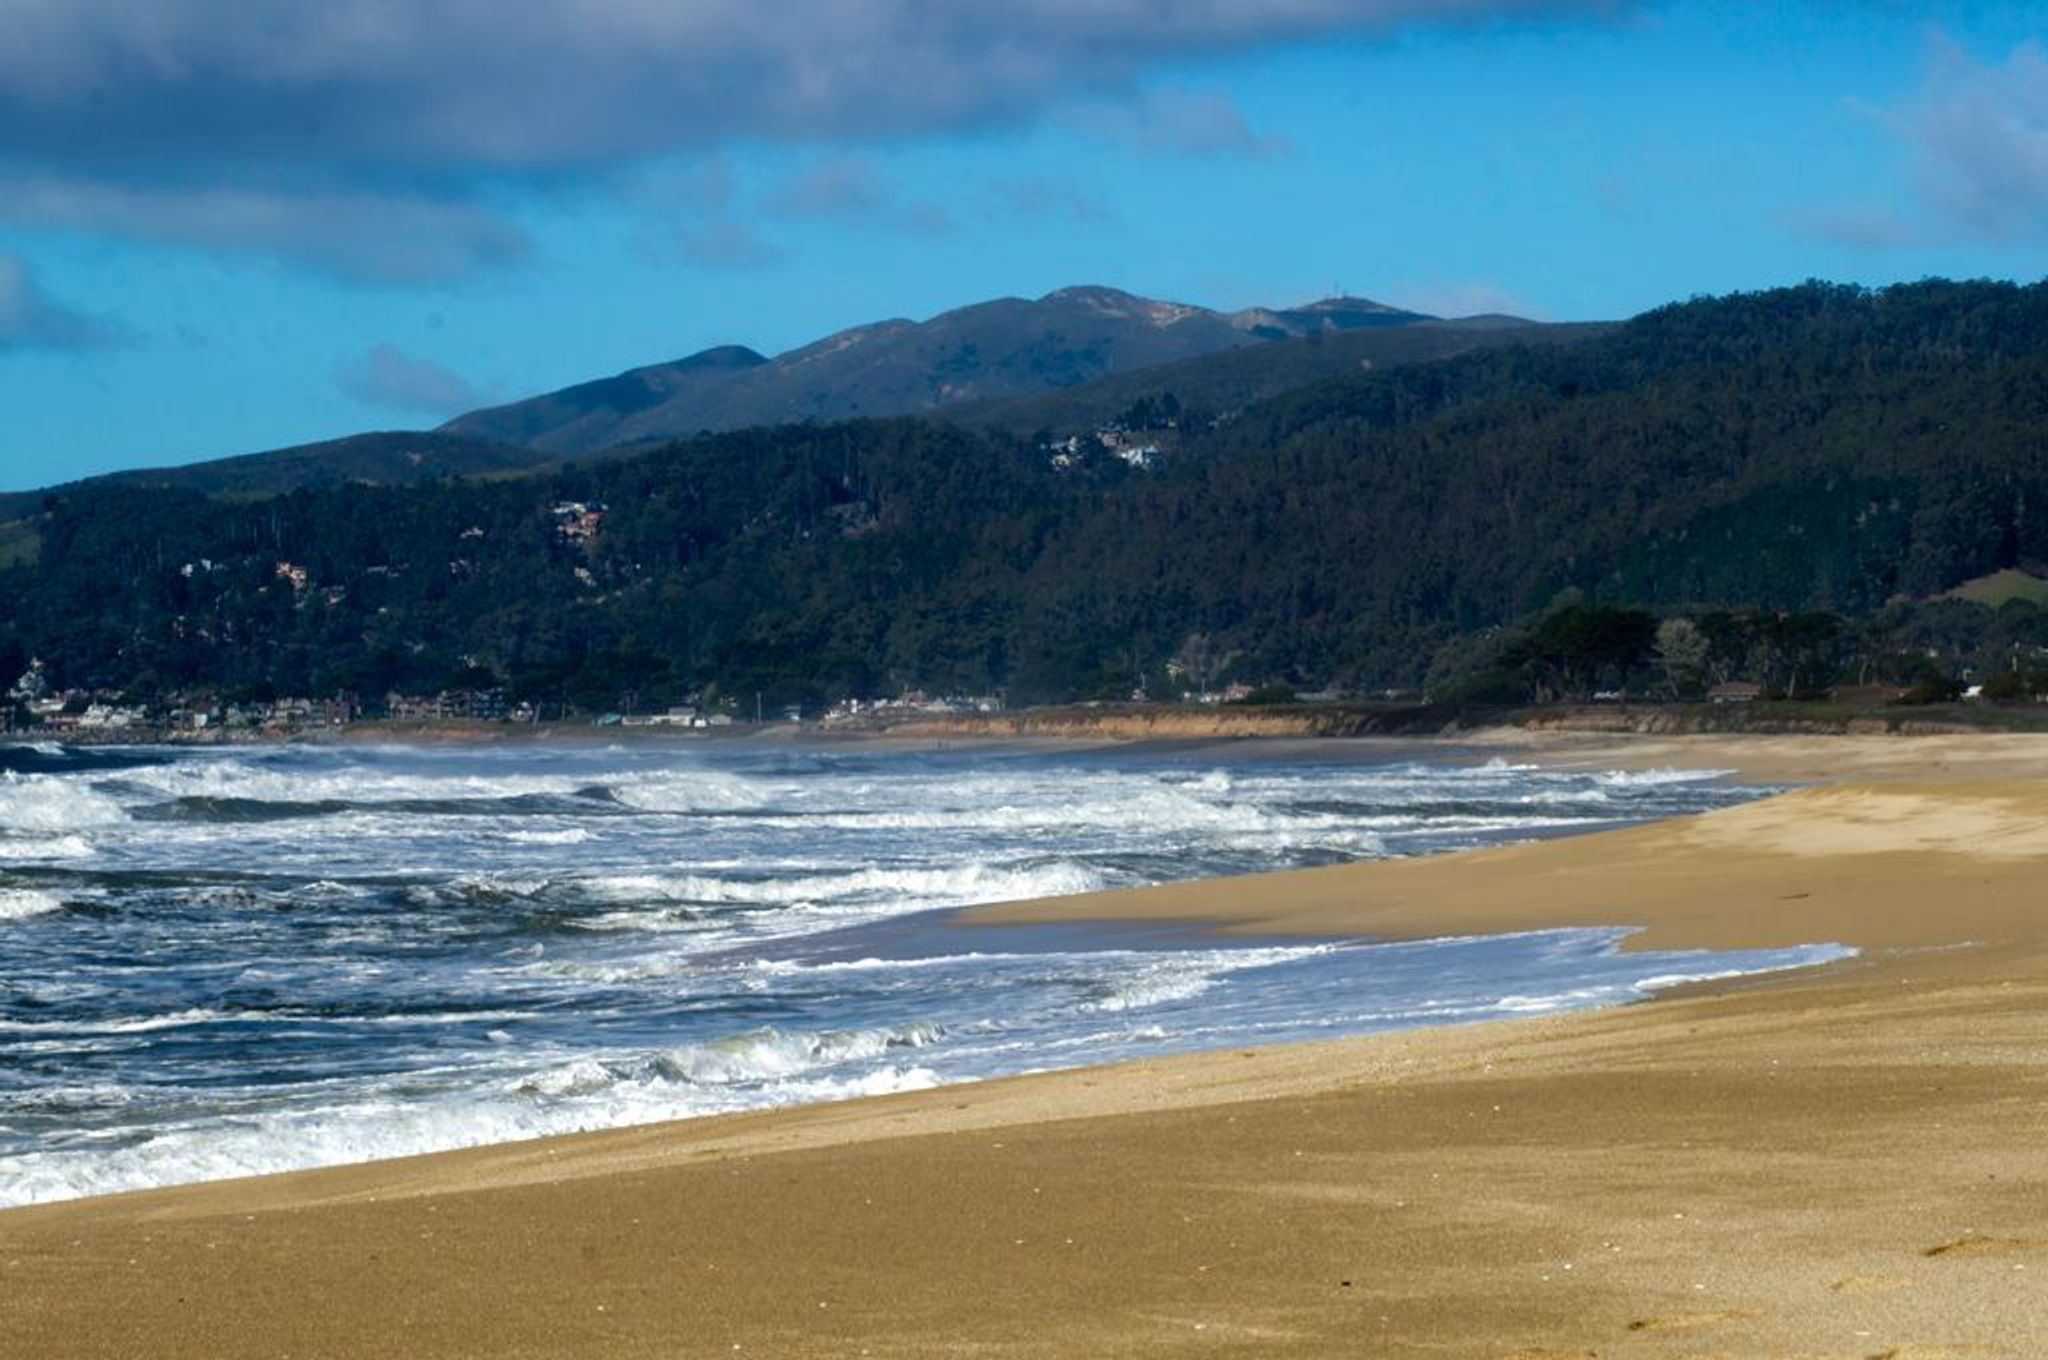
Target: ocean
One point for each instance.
(222, 961)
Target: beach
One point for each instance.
(1839, 1162)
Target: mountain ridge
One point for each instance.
(1000, 347)
(580, 420)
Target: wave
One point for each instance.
(49, 757)
(1639, 779)
(18, 904)
(670, 896)
(753, 1057)
(695, 790)
(218, 808)
(963, 885)
(398, 1125)
(1157, 979)
(31, 803)
(44, 848)
(135, 1024)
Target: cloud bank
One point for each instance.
(220, 123)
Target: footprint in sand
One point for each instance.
(1985, 1246)
(1684, 1322)
(1869, 1284)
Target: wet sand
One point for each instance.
(1840, 1163)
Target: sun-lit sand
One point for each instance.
(1846, 1162)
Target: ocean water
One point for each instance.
(226, 961)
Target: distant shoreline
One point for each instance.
(1146, 722)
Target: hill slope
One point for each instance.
(992, 349)
(392, 457)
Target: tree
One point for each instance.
(1575, 648)
(1683, 652)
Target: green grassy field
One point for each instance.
(2001, 586)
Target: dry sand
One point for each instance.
(1849, 1162)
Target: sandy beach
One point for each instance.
(1845, 1162)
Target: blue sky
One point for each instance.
(218, 236)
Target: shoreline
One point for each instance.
(1119, 723)
(1920, 1056)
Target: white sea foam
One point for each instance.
(776, 1055)
(395, 1126)
(691, 791)
(53, 804)
(133, 1024)
(260, 780)
(972, 883)
(1651, 778)
(39, 848)
(17, 904)
(1156, 979)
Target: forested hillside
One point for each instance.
(1200, 390)
(1817, 451)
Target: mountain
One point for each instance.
(1806, 472)
(1007, 347)
(1010, 346)
(873, 369)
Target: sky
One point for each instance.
(228, 227)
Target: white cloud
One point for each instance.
(1974, 138)
(1978, 136)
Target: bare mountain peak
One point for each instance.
(1116, 303)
